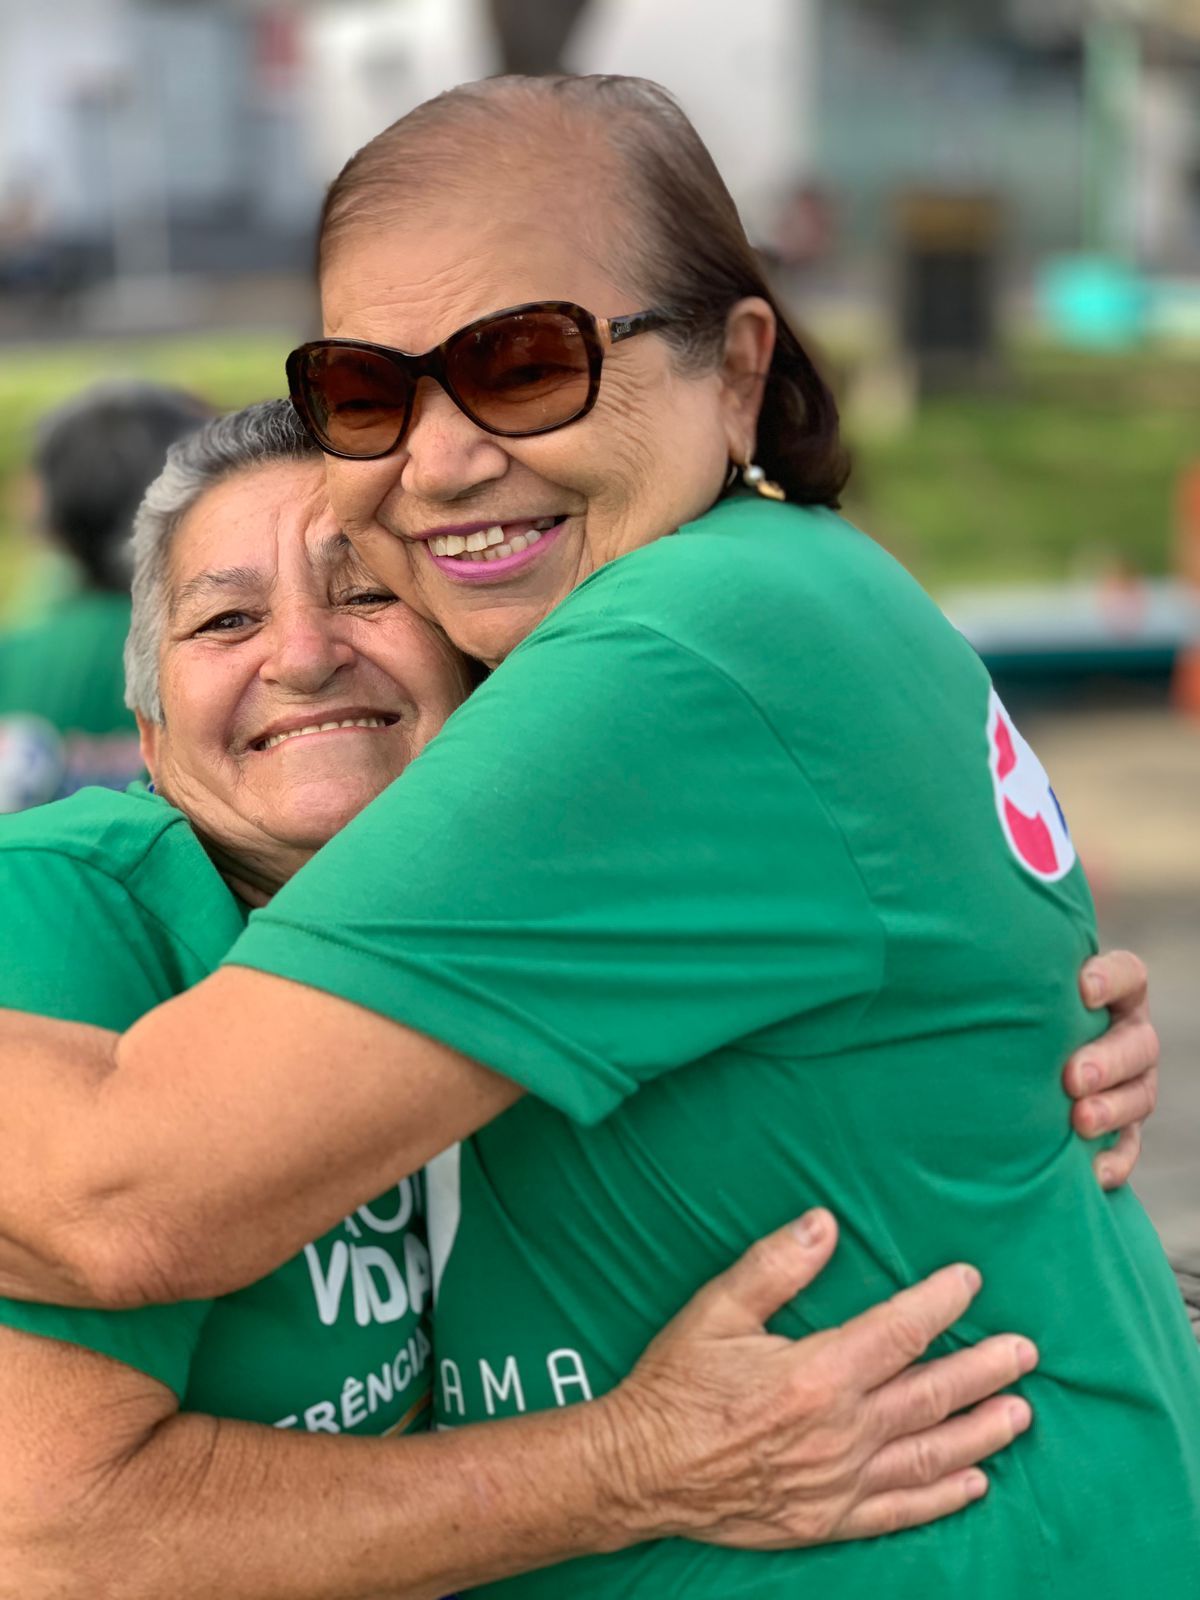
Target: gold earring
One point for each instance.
(755, 478)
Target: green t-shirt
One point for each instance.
(110, 906)
(738, 865)
(63, 719)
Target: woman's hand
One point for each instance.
(731, 1435)
(1114, 1080)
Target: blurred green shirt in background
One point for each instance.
(64, 724)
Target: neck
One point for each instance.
(255, 878)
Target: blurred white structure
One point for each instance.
(744, 75)
(153, 135)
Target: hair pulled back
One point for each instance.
(680, 232)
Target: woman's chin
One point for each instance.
(314, 811)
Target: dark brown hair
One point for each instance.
(680, 231)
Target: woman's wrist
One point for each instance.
(636, 1480)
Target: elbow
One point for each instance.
(111, 1260)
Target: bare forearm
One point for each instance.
(205, 1146)
(53, 1073)
(249, 1513)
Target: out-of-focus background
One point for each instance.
(984, 213)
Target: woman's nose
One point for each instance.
(445, 455)
(306, 650)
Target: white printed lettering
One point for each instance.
(322, 1418)
(499, 1389)
(452, 1386)
(403, 1213)
(402, 1369)
(354, 1408)
(371, 1302)
(574, 1377)
(328, 1286)
(417, 1270)
(380, 1389)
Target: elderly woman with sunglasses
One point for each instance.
(278, 689)
(734, 879)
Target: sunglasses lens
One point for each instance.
(523, 374)
(357, 402)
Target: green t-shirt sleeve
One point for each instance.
(605, 867)
(74, 945)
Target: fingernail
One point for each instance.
(1106, 1174)
(810, 1229)
(976, 1484)
(1090, 1075)
(1093, 987)
(972, 1278)
(1020, 1414)
(1099, 1119)
(1027, 1355)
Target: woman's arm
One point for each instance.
(106, 1489)
(124, 1186)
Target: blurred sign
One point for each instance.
(1094, 302)
(949, 259)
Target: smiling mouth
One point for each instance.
(496, 543)
(273, 740)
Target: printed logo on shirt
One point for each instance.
(1029, 812)
(379, 1283)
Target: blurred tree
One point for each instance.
(533, 34)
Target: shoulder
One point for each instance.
(110, 830)
(131, 848)
(111, 905)
(753, 579)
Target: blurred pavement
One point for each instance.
(1129, 782)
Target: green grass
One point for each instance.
(1068, 467)
(1069, 464)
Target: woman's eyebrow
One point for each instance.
(208, 583)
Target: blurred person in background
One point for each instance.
(733, 875)
(174, 1451)
(63, 719)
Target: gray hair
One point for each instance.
(255, 437)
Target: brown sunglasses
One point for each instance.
(527, 370)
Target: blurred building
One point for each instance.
(193, 137)
(147, 137)
(1084, 115)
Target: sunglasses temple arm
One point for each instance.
(637, 322)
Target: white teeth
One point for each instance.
(490, 544)
(323, 727)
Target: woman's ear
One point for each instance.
(148, 737)
(749, 346)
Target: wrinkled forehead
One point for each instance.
(450, 242)
(245, 527)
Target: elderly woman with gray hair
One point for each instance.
(233, 1445)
